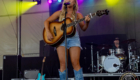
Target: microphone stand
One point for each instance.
(65, 35)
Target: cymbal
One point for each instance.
(91, 43)
(134, 49)
(129, 41)
(104, 46)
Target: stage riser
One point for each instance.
(45, 79)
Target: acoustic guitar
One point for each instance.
(56, 28)
(40, 75)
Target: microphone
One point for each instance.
(67, 3)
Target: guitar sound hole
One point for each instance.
(55, 31)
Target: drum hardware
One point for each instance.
(129, 54)
(112, 51)
(134, 62)
(134, 66)
(100, 63)
(101, 59)
(133, 59)
(121, 70)
(129, 50)
(93, 67)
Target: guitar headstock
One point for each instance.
(44, 59)
(102, 12)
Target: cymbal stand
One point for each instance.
(137, 68)
(129, 53)
(134, 65)
(97, 61)
(92, 66)
(92, 62)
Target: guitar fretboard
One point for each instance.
(78, 21)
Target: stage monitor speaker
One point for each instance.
(10, 67)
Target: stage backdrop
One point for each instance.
(123, 19)
(32, 24)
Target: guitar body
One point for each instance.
(57, 31)
(41, 77)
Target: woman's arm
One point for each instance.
(53, 17)
(82, 24)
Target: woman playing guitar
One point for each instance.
(73, 43)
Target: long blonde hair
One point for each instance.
(75, 9)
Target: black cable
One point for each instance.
(21, 74)
(44, 55)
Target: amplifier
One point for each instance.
(31, 74)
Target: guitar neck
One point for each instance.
(42, 68)
(80, 20)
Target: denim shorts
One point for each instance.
(72, 41)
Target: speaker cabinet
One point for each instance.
(11, 66)
(0, 74)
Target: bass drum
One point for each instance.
(111, 64)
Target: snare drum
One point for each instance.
(121, 57)
(119, 51)
(120, 54)
(111, 64)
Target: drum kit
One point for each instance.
(114, 63)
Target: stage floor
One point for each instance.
(106, 74)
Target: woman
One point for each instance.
(73, 43)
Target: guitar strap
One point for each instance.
(76, 18)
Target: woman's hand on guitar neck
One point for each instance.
(49, 36)
(87, 18)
